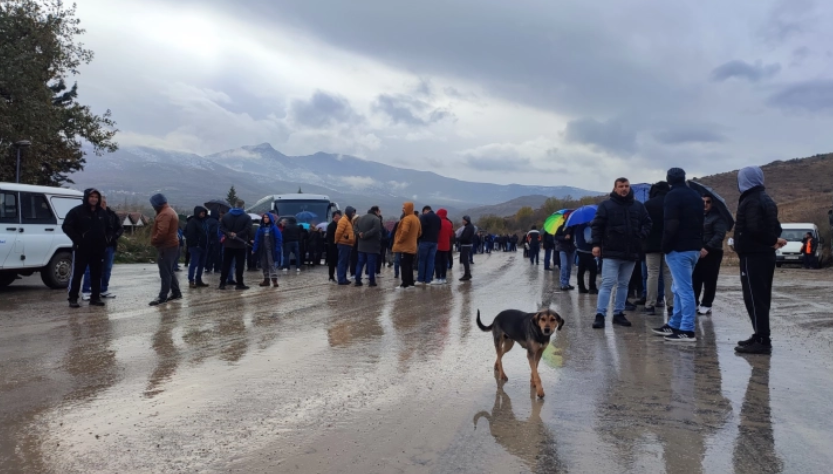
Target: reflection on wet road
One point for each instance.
(321, 378)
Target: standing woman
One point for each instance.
(711, 255)
(269, 243)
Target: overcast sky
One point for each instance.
(527, 91)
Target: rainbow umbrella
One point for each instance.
(555, 221)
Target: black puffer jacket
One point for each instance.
(196, 230)
(549, 241)
(714, 230)
(654, 206)
(212, 227)
(87, 228)
(237, 221)
(431, 225)
(683, 218)
(756, 227)
(114, 228)
(562, 243)
(291, 232)
(620, 226)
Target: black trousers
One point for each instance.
(81, 258)
(756, 273)
(407, 269)
(587, 263)
(332, 260)
(239, 258)
(635, 287)
(441, 264)
(705, 276)
(465, 259)
(354, 260)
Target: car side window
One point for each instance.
(35, 209)
(9, 208)
(63, 205)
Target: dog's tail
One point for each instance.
(480, 324)
(480, 415)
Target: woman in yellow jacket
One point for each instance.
(405, 242)
(344, 238)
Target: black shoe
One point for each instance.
(639, 302)
(466, 278)
(565, 288)
(621, 320)
(548, 269)
(158, 301)
(231, 282)
(758, 345)
(222, 287)
(664, 330)
(358, 283)
(670, 310)
(344, 283)
(74, 304)
(332, 279)
(594, 291)
(681, 337)
(649, 310)
(202, 284)
(96, 302)
(372, 285)
(241, 287)
(175, 296)
(747, 342)
(599, 322)
(583, 291)
(630, 307)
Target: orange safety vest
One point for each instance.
(808, 247)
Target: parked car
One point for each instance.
(794, 233)
(31, 239)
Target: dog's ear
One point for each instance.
(560, 320)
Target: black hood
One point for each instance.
(87, 193)
(659, 189)
(198, 209)
(676, 176)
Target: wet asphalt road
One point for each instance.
(318, 378)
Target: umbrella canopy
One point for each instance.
(717, 202)
(582, 215)
(306, 216)
(555, 221)
(641, 191)
(322, 226)
(217, 205)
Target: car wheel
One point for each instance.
(57, 273)
(7, 278)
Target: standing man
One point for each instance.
(565, 243)
(212, 249)
(465, 240)
(534, 240)
(430, 224)
(330, 243)
(654, 258)
(165, 237)
(236, 227)
(196, 237)
(443, 248)
(757, 237)
(808, 252)
(87, 226)
(369, 233)
(345, 238)
(114, 231)
(549, 247)
(291, 244)
(711, 256)
(620, 226)
(405, 243)
(682, 239)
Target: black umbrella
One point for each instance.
(217, 205)
(717, 201)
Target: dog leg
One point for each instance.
(532, 357)
(506, 347)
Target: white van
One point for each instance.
(31, 239)
(794, 233)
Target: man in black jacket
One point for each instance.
(291, 244)
(620, 226)
(87, 226)
(427, 251)
(114, 232)
(196, 238)
(549, 246)
(711, 255)
(465, 240)
(654, 258)
(757, 237)
(332, 247)
(682, 239)
(236, 227)
(213, 252)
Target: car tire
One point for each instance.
(7, 278)
(57, 273)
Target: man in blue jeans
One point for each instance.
(369, 234)
(620, 226)
(682, 239)
(427, 252)
(566, 247)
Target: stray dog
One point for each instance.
(531, 330)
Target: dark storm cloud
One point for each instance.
(615, 135)
(743, 70)
(808, 96)
(402, 109)
(322, 110)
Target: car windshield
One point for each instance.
(795, 235)
(306, 212)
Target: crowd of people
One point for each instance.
(675, 241)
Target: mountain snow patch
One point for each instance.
(358, 182)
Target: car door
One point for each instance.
(38, 229)
(9, 227)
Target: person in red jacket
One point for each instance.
(443, 248)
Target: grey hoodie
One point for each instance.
(750, 177)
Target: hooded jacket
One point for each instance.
(620, 226)
(344, 231)
(757, 228)
(87, 228)
(239, 222)
(562, 243)
(714, 230)
(277, 238)
(165, 232)
(430, 224)
(446, 232)
(196, 230)
(370, 228)
(408, 231)
(683, 216)
(212, 227)
(656, 211)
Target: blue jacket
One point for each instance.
(278, 237)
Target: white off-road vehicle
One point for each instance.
(31, 239)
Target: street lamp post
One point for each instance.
(20, 145)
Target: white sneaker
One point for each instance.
(297, 270)
(436, 283)
(285, 270)
(704, 310)
(108, 294)
(85, 296)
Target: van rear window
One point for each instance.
(63, 205)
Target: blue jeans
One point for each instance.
(397, 258)
(343, 262)
(547, 258)
(682, 266)
(427, 256)
(567, 259)
(288, 248)
(368, 259)
(614, 273)
(197, 263)
(106, 270)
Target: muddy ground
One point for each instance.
(315, 378)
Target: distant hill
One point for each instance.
(507, 208)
